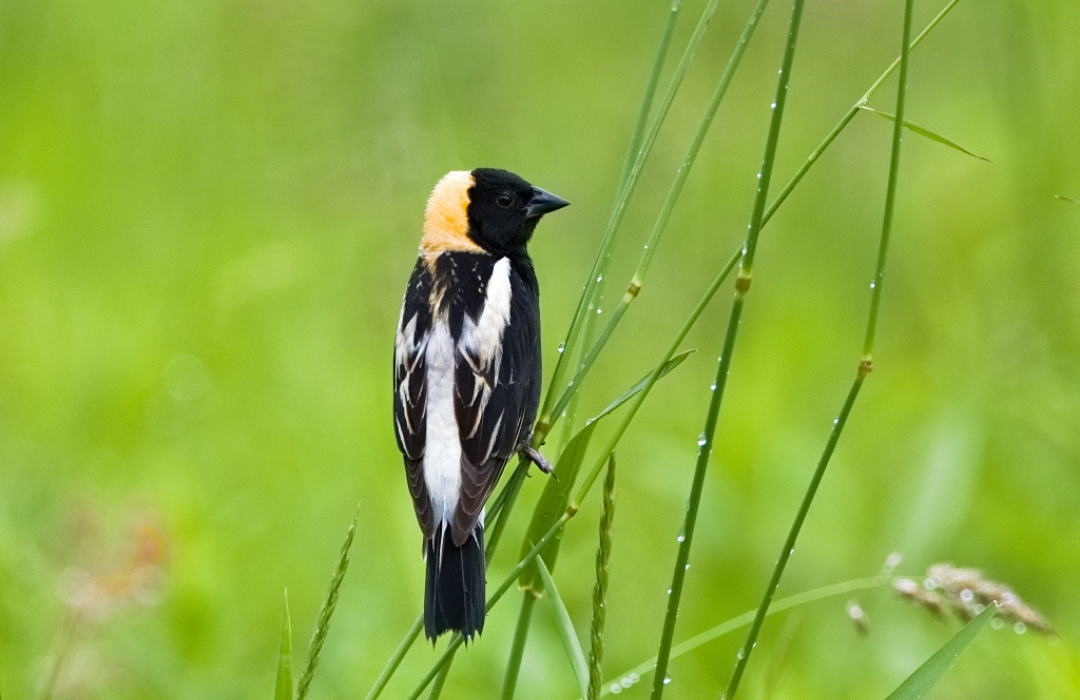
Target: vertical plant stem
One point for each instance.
(865, 366)
(638, 279)
(396, 659)
(517, 647)
(543, 424)
(440, 681)
(742, 287)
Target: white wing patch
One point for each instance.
(482, 339)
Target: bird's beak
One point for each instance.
(543, 202)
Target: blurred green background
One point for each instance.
(208, 211)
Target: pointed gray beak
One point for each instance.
(543, 202)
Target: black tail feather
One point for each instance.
(454, 597)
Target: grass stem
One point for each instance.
(742, 286)
(865, 366)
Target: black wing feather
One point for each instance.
(496, 401)
(410, 390)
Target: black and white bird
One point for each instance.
(467, 374)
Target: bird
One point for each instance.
(467, 375)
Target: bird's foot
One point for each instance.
(531, 453)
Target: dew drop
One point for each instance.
(686, 568)
(626, 682)
(599, 310)
(996, 623)
(562, 348)
(599, 278)
(634, 678)
(701, 440)
(615, 688)
(680, 538)
(1019, 628)
(772, 106)
(667, 679)
(741, 655)
(712, 386)
(966, 595)
(669, 591)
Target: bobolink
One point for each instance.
(467, 375)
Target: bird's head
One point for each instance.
(485, 210)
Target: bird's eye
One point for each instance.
(505, 200)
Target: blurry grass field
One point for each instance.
(208, 212)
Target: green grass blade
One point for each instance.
(517, 646)
(729, 626)
(864, 367)
(923, 131)
(850, 114)
(566, 629)
(284, 688)
(742, 287)
(322, 626)
(640, 386)
(672, 198)
(1067, 199)
(924, 678)
(395, 660)
(551, 505)
(556, 495)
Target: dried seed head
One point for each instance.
(966, 592)
(929, 600)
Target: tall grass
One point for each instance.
(580, 353)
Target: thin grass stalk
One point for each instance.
(518, 474)
(599, 611)
(517, 647)
(597, 294)
(543, 425)
(396, 659)
(855, 109)
(638, 279)
(591, 477)
(865, 365)
(322, 625)
(650, 92)
(440, 681)
(728, 626)
(742, 287)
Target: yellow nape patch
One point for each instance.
(446, 223)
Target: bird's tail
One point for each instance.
(454, 596)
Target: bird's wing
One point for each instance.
(410, 389)
(496, 368)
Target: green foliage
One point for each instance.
(923, 131)
(326, 612)
(566, 629)
(207, 215)
(926, 676)
(600, 589)
(283, 690)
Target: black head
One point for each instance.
(503, 210)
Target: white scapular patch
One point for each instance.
(483, 338)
